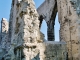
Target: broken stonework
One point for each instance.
(47, 11)
(27, 42)
(50, 50)
(4, 27)
(5, 43)
(4, 32)
(69, 18)
(25, 30)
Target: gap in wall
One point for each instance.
(57, 28)
(44, 28)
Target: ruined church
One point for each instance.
(21, 38)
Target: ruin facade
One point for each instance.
(21, 38)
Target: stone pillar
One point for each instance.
(51, 23)
(48, 11)
(50, 30)
(25, 31)
(4, 32)
(5, 43)
(4, 27)
(69, 18)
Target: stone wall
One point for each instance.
(48, 11)
(69, 18)
(49, 50)
(4, 43)
(24, 38)
(55, 50)
(4, 32)
(25, 31)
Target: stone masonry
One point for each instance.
(24, 39)
(69, 19)
(5, 43)
(48, 11)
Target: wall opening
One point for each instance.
(57, 28)
(44, 28)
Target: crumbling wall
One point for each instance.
(27, 42)
(25, 31)
(5, 43)
(69, 18)
(55, 50)
(48, 11)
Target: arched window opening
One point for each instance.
(57, 28)
(44, 29)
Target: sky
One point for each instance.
(5, 6)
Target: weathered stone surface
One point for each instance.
(41, 51)
(27, 42)
(46, 8)
(11, 21)
(4, 32)
(48, 11)
(55, 51)
(50, 50)
(25, 31)
(4, 25)
(4, 43)
(69, 18)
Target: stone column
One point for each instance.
(51, 23)
(50, 30)
(69, 18)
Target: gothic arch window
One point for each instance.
(57, 28)
(44, 28)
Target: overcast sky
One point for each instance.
(5, 6)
